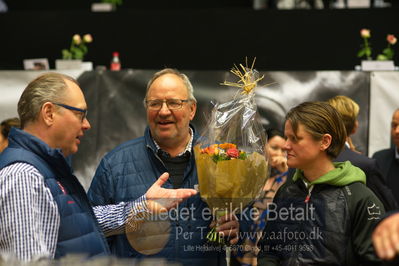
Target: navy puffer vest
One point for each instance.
(79, 231)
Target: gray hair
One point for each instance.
(185, 79)
(49, 87)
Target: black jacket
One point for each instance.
(333, 228)
(389, 166)
(374, 177)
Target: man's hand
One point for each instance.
(161, 199)
(386, 237)
(228, 226)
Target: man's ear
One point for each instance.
(325, 142)
(47, 113)
(193, 109)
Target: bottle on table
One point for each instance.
(115, 62)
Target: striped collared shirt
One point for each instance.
(29, 218)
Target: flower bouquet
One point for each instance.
(230, 157)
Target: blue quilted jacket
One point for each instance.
(125, 174)
(79, 231)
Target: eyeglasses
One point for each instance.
(82, 111)
(172, 104)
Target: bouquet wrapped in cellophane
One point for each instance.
(230, 156)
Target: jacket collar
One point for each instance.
(150, 143)
(343, 174)
(22, 139)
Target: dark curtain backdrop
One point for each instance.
(198, 38)
(117, 114)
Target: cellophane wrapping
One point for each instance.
(231, 162)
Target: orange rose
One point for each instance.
(211, 150)
(226, 146)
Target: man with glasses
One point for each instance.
(126, 172)
(82, 112)
(44, 210)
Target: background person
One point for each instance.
(277, 158)
(5, 128)
(388, 159)
(332, 211)
(278, 162)
(349, 111)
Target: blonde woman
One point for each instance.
(349, 111)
